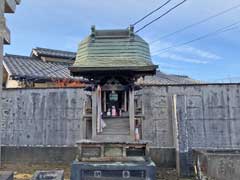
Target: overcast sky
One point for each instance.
(61, 24)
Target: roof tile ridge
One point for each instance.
(50, 49)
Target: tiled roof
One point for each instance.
(22, 67)
(111, 50)
(165, 79)
(54, 53)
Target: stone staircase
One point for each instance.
(116, 126)
(117, 129)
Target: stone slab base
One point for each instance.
(113, 171)
(49, 175)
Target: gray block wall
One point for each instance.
(157, 126)
(42, 116)
(53, 116)
(212, 114)
(208, 117)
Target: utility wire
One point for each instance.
(196, 23)
(218, 31)
(149, 14)
(168, 11)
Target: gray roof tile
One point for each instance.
(54, 53)
(22, 67)
(165, 79)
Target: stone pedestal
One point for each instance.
(113, 171)
(113, 160)
(100, 151)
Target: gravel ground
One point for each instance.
(24, 172)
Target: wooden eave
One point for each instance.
(10, 6)
(110, 69)
(106, 71)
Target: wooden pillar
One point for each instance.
(125, 101)
(105, 101)
(131, 112)
(94, 112)
(99, 109)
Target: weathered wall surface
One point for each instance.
(217, 164)
(42, 116)
(53, 116)
(157, 126)
(212, 113)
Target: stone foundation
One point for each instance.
(162, 157)
(38, 155)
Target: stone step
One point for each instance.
(115, 132)
(119, 121)
(116, 126)
(106, 137)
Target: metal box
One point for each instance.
(113, 170)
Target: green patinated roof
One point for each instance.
(113, 49)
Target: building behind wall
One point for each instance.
(46, 68)
(6, 6)
(43, 68)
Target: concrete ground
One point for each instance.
(25, 172)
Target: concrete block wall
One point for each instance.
(52, 117)
(208, 117)
(212, 114)
(42, 117)
(157, 126)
